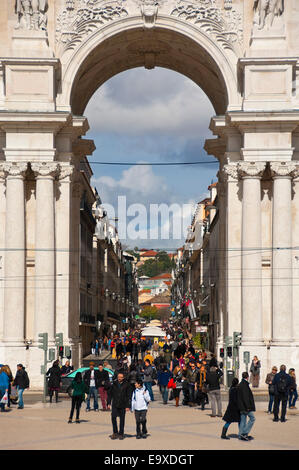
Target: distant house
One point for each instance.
(146, 255)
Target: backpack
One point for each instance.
(282, 384)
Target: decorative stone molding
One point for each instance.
(251, 169)
(32, 14)
(224, 26)
(14, 168)
(45, 169)
(283, 169)
(74, 24)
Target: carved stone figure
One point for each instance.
(267, 10)
(32, 14)
(149, 11)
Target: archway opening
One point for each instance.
(103, 67)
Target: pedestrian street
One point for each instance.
(44, 427)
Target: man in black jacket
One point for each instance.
(213, 382)
(120, 396)
(282, 382)
(246, 407)
(21, 382)
(92, 380)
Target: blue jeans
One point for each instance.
(164, 392)
(271, 401)
(148, 386)
(93, 392)
(245, 427)
(293, 396)
(20, 397)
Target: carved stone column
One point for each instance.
(282, 253)
(14, 284)
(251, 274)
(63, 250)
(45, 248)
(233, 249)
(2, 245)
(295, 255)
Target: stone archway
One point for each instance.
(71, 47)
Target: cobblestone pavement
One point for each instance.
(44, 427)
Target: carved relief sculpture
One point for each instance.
(266, 11)
(32, 14)
(74, 25)
(224, 25)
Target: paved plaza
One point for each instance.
(44, 427)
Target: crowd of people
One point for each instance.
(182, 373)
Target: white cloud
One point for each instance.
(162, 103)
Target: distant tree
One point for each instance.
(162, 263)
(149, 313)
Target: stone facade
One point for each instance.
(244, 55)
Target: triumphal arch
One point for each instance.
(244, 54)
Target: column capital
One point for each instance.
(251, 169)
(283, 169)
(45, 169)
(231, 169)
(13, 169)
(66, 171)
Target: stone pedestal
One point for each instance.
(30, 43)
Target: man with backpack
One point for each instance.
(282, 383)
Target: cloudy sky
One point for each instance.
(150, 116)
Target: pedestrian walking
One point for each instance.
(255, 371)
(135, 350)
(271, 388)
(7, 370)
(155, 349)
(232, 413)
(191, 380)
(79, 388)
(119, 400)
(4, 384)
(139, 405)
(282, 383)
(246, 407)
(213, 386)
(200, 389)
(178, 379)
(91, 379)
(104, 385)
(293, 395)
(54, 379)
(148, 377)
(22, 382)
(164, 376)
